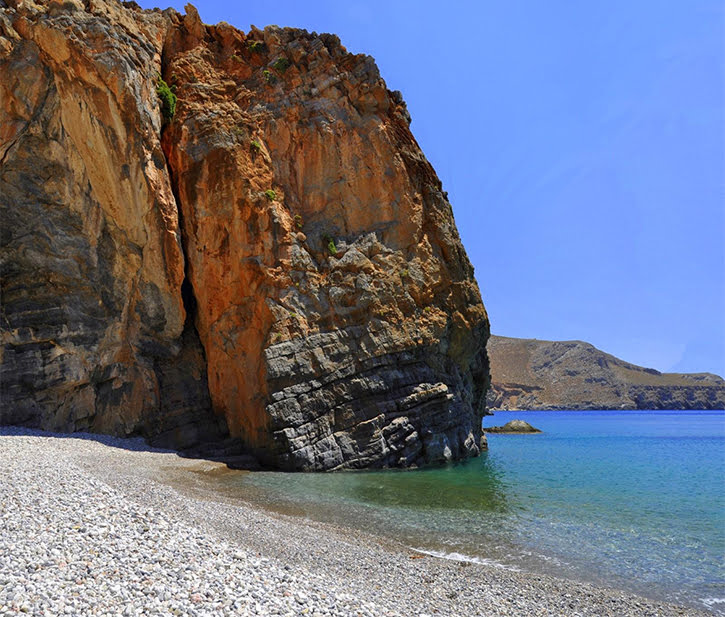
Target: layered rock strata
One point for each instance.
(276, 265)
(529, 374)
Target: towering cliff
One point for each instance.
(533, 374)
(276, 264)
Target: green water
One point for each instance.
(633, 500)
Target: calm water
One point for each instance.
(634, 500)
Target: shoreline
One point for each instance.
(299, 564)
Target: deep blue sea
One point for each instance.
(633, 500)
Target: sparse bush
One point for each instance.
(270, 194)
(281, 64)
(269, 76)
(167, 97)
(255, 46)
(298, 221)
(331, 248)
(255, 146)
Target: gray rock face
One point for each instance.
(390, 410)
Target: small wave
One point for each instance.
(710, 602)
(548, 558)
(714, 604)
(461, 557)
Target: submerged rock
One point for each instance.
(272, 264)
(514, 426)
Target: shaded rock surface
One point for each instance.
(93, 322)
(533, 374)
(274, 271)
(514, 426)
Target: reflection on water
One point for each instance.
(427, 507)
(474, 485)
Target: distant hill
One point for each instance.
(532, 374)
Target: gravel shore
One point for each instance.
(100, 526)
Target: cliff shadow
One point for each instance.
(219, 452)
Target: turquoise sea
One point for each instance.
(633, 500)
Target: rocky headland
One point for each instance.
(227, 242)
(529, 374)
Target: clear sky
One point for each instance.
(582, 145)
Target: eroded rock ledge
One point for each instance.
(277, 267)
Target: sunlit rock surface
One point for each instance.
(276, 266)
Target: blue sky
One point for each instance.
(582, 145)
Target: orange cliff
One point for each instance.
(277, 264)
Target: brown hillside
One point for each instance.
(534, 374)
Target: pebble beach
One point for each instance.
(92, 525)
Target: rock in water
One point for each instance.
(273, 261)
(514, 426)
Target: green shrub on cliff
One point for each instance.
(281, 64)
(255, 46)
(270, 194)
(331, 248)
(167, 97)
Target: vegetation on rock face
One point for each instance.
(167, 97)
(269, 77)
(255, 46)
(270, 194)
(331, 248)
(281, 64)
